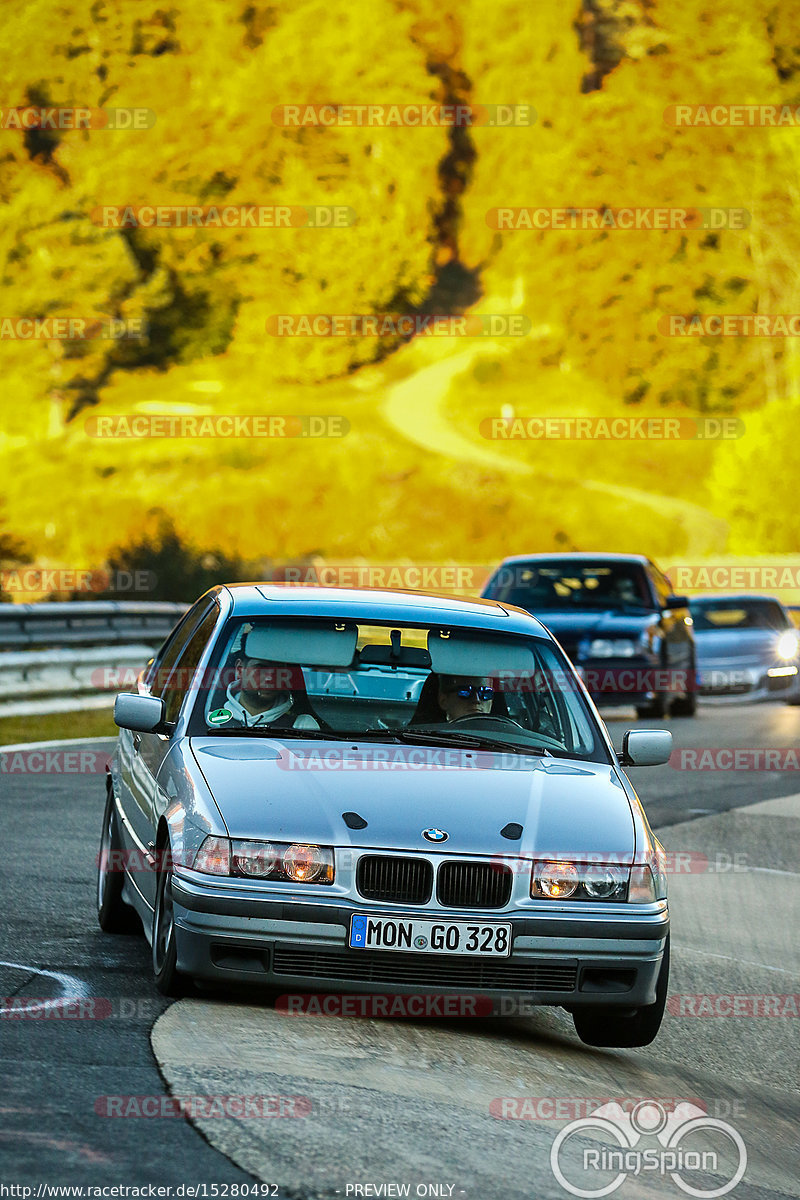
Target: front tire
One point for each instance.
(167, 977)
(686, 706)
(653, 711)
(113, 914)
(608, 1027)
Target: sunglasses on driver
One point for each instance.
(481, 693)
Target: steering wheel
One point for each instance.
(486, 722)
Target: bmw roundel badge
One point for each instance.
(435, 835)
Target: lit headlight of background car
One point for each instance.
(277, 862)
(564, 880)
(788, 645)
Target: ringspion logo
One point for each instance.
(647, 1141)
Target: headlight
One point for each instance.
(305, 864)
(257, 860)
(579, 881)
(612, 648)
(277, 862)
(787, 645)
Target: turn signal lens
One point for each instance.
(642, 887)
(213, 857)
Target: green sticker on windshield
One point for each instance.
(220, 716)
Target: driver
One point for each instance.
(465, 696)
(261, 694)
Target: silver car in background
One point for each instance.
(748, 648)
(320, 789)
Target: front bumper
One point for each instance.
(729, 682)
(557, 958)
(615, 682)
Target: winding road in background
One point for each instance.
(413, 407)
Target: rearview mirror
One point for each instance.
(143, 714)
(645, 747)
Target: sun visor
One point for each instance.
(320, 643)
(456, 653)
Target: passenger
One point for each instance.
(266, 693)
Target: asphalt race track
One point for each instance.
(441, 1107)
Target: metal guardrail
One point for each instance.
(58, 657)
(87, 623)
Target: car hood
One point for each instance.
(299, 792)
(598, 623)
(715, 645)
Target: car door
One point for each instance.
(678, 642)
(179, 688)
(141, 754)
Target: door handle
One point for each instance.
(137, 741)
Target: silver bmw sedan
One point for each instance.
(323, 790)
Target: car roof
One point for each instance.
(577, 556)
(381, 604)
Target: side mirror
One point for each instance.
(677, 602)
(645, 747)
(144, 714)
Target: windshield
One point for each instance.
(560, 584)
(724, 615)
(391, 682)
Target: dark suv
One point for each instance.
(618, 620)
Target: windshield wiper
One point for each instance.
(472, 740)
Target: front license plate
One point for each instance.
(429, 937)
